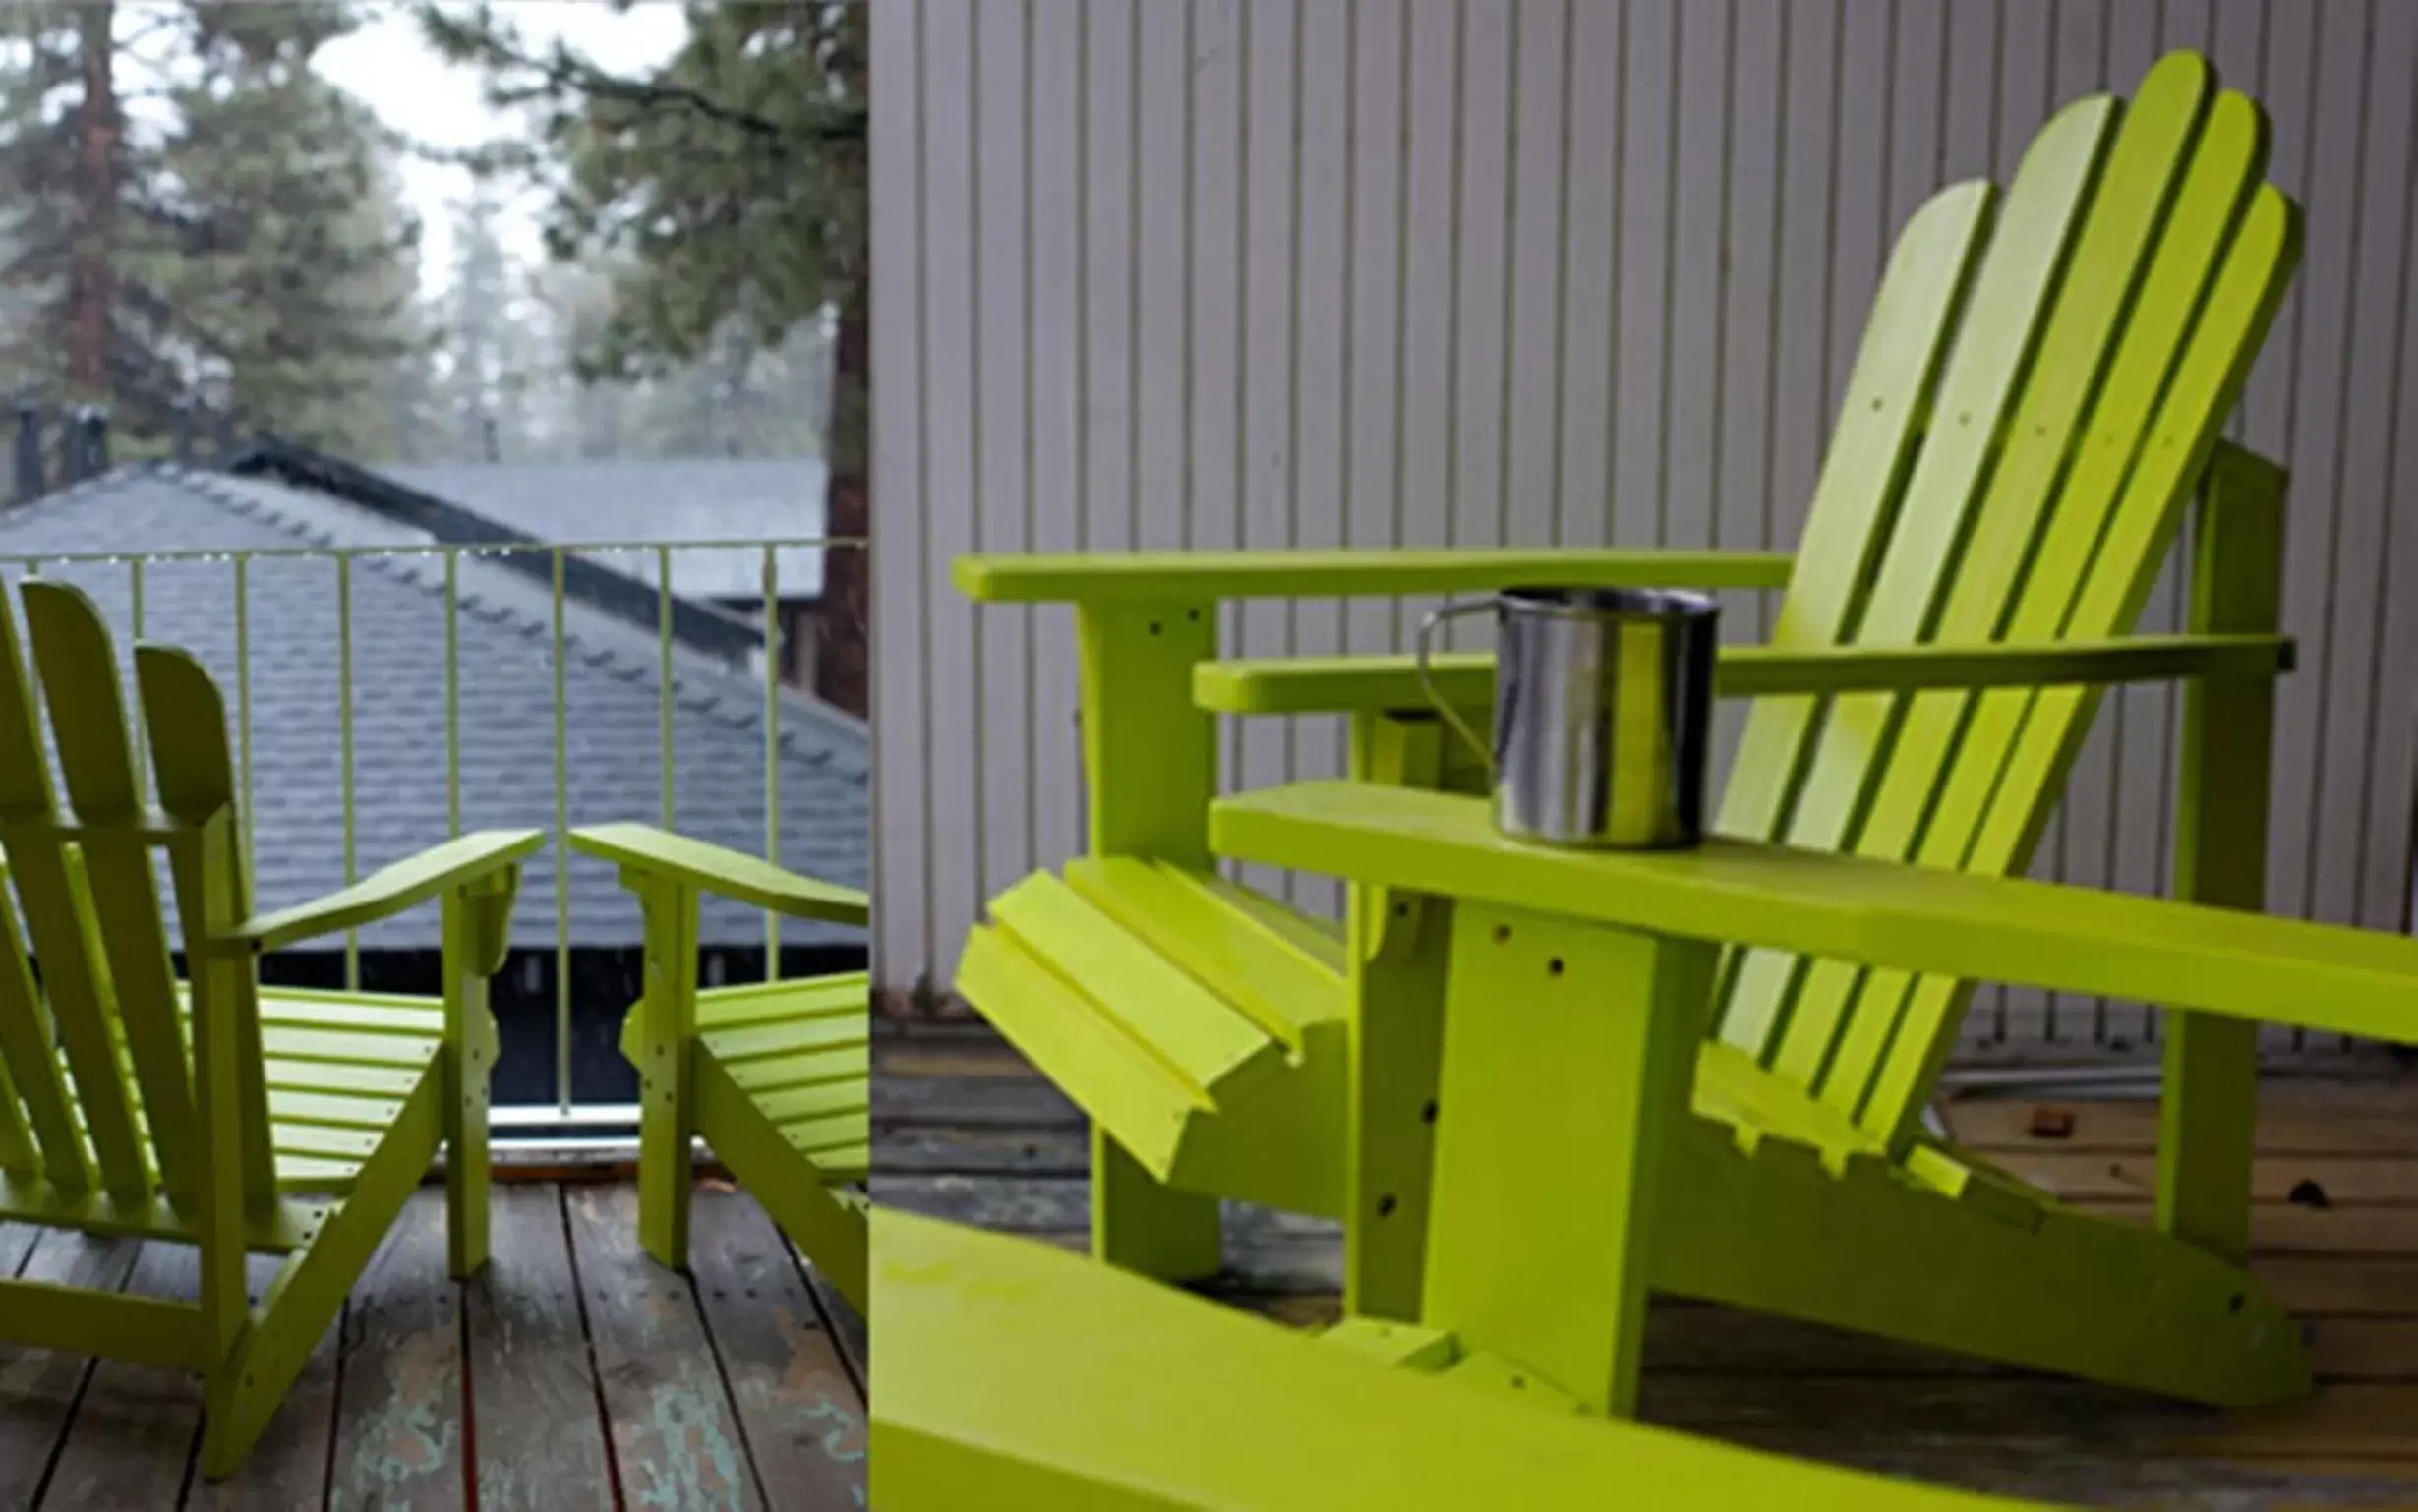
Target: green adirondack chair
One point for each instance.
(773, 1076)
(1575, 987)
(1014, 1375)
(2038, 398)
(210, 1111)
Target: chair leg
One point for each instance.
(228, 1432)
(1567, 1053)
(469, 1064)
(466, 1163)
(667, 1175)
(243, 1392)
(1398, 987)
(1142, 1225)
(667, 1022)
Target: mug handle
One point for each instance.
(1427, 681)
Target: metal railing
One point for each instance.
(674, 618)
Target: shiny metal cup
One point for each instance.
(1603, 713)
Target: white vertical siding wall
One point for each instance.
(1269, 273)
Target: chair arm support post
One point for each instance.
(1150, 769)
(1150, 758)
(2210, 1107)
(477, 916)
(667, 1012)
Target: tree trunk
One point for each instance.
(842, 671)
(91, 279)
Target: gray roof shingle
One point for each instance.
(676, 499)
(611, 687)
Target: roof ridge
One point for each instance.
(115, 478)
(686, 460)
(393, 563)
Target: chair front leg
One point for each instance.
(1150, 768)
(667, 1044)
(476, 918)
(1569, 1051)
(1397, 959)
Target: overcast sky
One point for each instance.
(387, 65)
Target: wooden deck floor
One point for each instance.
(572, 1374)
(964, 1130)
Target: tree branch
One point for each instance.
(566, 71)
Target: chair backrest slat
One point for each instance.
(2001, 326)
(97, 1083)
(1891, 756)
(39, 1134)
(1954, 584)
(2101, 530)
(18, 1157)
(2120, 301)
(56, 905)
(194, 772)
(82, 691)
(1881, 421)
(2053, 722)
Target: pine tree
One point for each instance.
(593, 422)
(732, 183)
(62, 156)
(478, 317)
(244, 239)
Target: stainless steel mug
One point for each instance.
(1603, 712)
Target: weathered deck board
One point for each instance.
(674, 1432)
(963, 1129)
(401, 1444)
(798, 1403)
(847, 1330)
(509, 1378)
(16, 1242)
(132, 1440)
(38, 1387)
(541, 1440)
(289, 1465)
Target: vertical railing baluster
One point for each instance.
(243, 684)
(142, 758)
(774, 651)
(453, 691)
(562, 878)
(663, 690)
(344, 742)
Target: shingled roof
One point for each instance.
(665, 498)
(613, 698)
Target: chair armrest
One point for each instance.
(1920, 919)
(391, 890)
(1198, 577)
(709, 868)
(1014, 1375)
(1372, 685)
